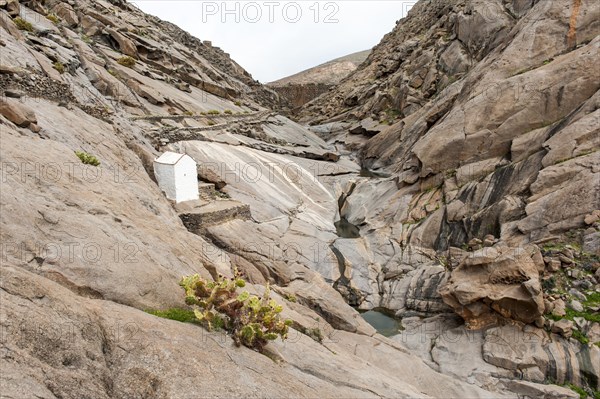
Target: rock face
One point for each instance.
(305, 86)
(463, 132)
(475, 126)
(421, 195)
(481, 132)
(495, 282)
(502, 357)
(86, 248)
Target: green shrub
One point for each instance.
(182, 315)
(228, 112)
(54, 18)
(59, 67)
(23, 25)
(252, 321)
(238, 103)
(213, 112)
(127, 61)
(188, 113)
(211, 123)
(87, 159)
(291, 298)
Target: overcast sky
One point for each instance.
(275, 39)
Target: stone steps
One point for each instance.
(207, 191)
(158, 118)
(197, 215)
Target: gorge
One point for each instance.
(446, 190)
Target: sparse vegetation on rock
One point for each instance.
(182, 315)
(53, 18)
(59, 67)
(127, 61)
(23, 25)
(251, 320)
(87, 159)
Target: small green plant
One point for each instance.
(592, 299)
(23, 25)
(213, 112)
(252, 321)
(59, 67)
(86, 39)
(53, 18)
(549, 284)
(582, 393)
(87, 159)
(228, 112)
(314, 333)
(579, 336)
(188, 113)
(238, 103)
(127, 61)
(182, 315)
(211, 123)
(291, 298)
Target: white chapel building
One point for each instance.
(177, 176)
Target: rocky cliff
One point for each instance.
(483, 115)
(431, 217)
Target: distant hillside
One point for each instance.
(330, 72)
(304, 86)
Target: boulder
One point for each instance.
(559, 308)
(13, 8)
(16, 112)
(125, 45)
(91, 26)
(592, 217)
(554, 265)
(593, 333)
(563, 327)
(66, 13)
(576, 305)
(494, 283)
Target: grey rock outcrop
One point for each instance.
(455, 135)
(496, 282)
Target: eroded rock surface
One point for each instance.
(458, 143)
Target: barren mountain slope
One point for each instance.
(483, 115)
(304, 86)
(87, 248)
